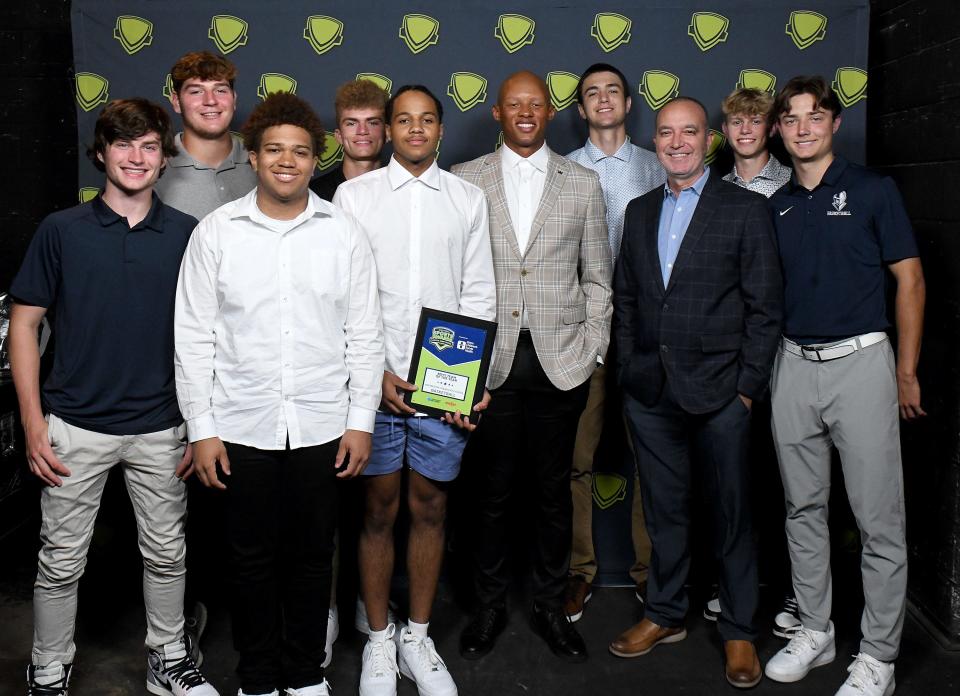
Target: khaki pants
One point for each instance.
(583, 561)
(69, 513)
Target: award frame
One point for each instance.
(441, 387)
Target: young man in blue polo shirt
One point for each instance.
(837, 383)
(107, 273)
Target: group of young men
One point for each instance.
(266, 348)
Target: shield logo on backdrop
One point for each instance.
(91, 89)
(499, 141)
(87, 193)
(658, 87)
(850, 84)
(419, 31)
(806, 28)
(467, 89)
(275, 82)
(708, 29)
(514, 31)
(611, 30)
(227, 32)
(168, 87)
(381, 81)
(753, 78)
(608, 489)
(323, 33)
(563, 88)
(332, 151)
(133, 33)
(717, 141)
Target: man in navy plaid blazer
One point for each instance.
(698, 306)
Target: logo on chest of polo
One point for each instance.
(839, 204)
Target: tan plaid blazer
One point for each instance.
(563, 277)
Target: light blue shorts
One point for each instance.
(433, 449)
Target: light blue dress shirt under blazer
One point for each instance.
(675, 217)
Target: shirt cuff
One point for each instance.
(359, 418)
(201, 427)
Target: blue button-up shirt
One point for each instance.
(675, 217)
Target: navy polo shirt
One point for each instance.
(835, 242)
(109, 291)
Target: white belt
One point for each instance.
(832, 351)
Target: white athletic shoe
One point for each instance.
(48, 680)
(333, 632)
(172, 672)
(378, 676)
(806, 650)
(420, 662)
(322, 689)
(868, 677)
(362, 624)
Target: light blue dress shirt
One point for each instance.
(675, 217)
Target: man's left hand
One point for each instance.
(354, 453)
(908, 396)
(184, 469)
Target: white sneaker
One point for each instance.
(378, 677)
(806, 650)
(171, 671)
(48, 680)
(333, 632)
(868, 677)
(362, 624)
(322, 689)
(420, 662)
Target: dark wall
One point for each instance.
(913, 134)
(38, 122)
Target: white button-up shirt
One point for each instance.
(277, 327)
(523, 198)
(431, 240)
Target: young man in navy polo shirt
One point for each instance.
(107, 272)
(836, 382)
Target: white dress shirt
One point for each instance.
(277, 327)
(431, 241)
(523, 181)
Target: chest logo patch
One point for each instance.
(839, 203)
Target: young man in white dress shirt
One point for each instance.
(279, 359)
(429, 233)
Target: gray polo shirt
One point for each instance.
(198, 190)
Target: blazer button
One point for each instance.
(515, 313)
(523, 271)
(665, 307)
(664, 349)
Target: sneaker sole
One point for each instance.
(710, 616)
(821, 660)
(786, 633)
(576, 617)
(158, 689)
(405, 671)
(675, 638)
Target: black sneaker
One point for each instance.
(48, 680)
(171, 671)
(711, 610)
(194, 624)
(787, 622)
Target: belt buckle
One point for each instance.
(804, 350)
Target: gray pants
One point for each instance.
(70, 511)
(851, 403)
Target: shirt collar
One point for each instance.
(238, 154)
(398, 175)
(830, 177)
(623, 153)
(771, 170)
(538, 159)
(107, 216)
(696, 187)
(247, 208)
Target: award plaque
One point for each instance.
(451, 357)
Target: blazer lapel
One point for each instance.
(706, 207)
(492, 183)
(651, 224)
(556, 175)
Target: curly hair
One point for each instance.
(749, 101)
(282, 109)
(359, 94)
(815, 86)
(129, 119)
(202, 65)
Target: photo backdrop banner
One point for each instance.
(462, 50)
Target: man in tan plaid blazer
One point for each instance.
(553, 272)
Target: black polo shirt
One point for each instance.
(110, 292)
(325, 186)
(835, 242)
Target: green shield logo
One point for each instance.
(467, 89)
(168, 87)
(514, 31)
(806, 28)
(717, 141)
(419, 31)
(332, 151)
(227, 32)
(275, 82)
(611, 30)
(133, 33)
(563, 88)
(323, 33)
(753, 78)
(87, 193)
(658, 87)
(381, 81)
(499, 141)
(850, 85)
(92, 90)
(608, 489)
(708, 29)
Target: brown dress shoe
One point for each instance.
(575, 597)
(643, 637)
(743, 666)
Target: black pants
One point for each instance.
(530, 424)
(672, 446)
(281, 509)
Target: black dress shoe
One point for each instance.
(556, 629)
(481, 633)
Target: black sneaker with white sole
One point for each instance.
(787, 622)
